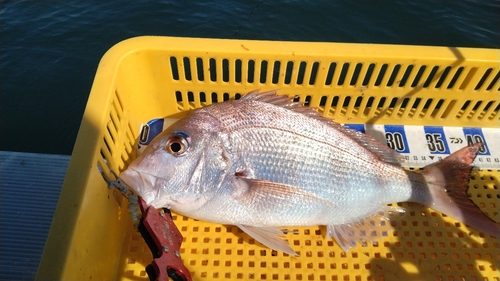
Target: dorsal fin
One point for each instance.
(284, 101)
(380, 149)
(384, 152)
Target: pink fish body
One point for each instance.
(263, 163)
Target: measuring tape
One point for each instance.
(420, 145)
(424, 145)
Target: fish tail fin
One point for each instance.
(447, 182)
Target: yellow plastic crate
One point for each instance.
(139, 79)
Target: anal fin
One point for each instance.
(269, 236)
(364, 231)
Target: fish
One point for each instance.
(264, 163)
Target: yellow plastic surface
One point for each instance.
(142, 78)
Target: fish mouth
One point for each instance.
(143, 184)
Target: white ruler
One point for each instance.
(420, 145)
(423, 145)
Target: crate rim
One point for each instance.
(313, 48)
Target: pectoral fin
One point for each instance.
(259, 191)
(270, 237)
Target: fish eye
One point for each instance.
(177, 145)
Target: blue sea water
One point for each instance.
(50, 49)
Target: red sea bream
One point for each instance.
(264, 163)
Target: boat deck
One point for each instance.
(30, 184)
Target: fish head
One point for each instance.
(173, 172)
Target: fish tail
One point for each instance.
(448, 181)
